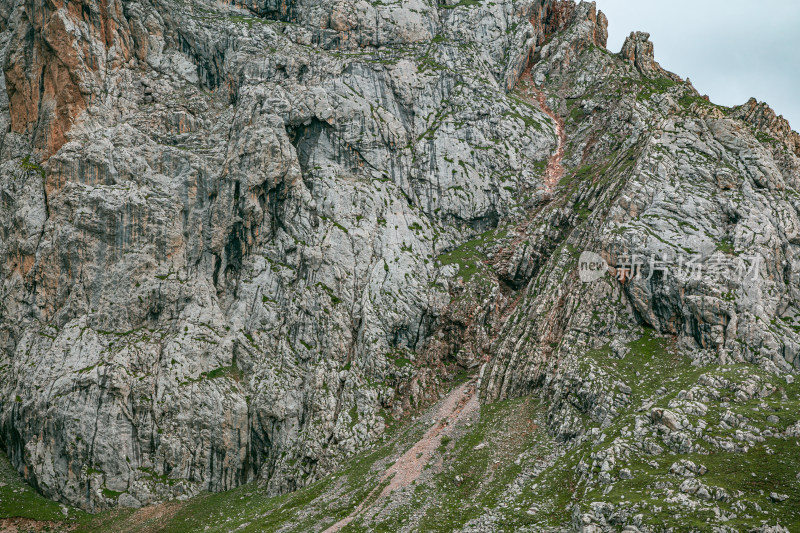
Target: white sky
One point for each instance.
(731, 49)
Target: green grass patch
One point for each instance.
(469, 257)
(18, 499)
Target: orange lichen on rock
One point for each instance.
(60, 55)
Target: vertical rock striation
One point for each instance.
(220, 225)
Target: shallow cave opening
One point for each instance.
(279, 10)
(305, 139)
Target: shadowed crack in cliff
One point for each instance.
(457, 406)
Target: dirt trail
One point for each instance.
(555, 168)
(458, 405)
(19, 525)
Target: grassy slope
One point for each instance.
(771, 466)
(460, 487)
(17, 499)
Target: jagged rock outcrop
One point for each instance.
(766, 121)
(639, 50)
(696, 198)
(581, 27)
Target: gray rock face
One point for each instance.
(237, 238)
(219, 231)
(703, 206)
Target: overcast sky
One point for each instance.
(731, 49)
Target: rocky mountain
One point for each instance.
(388, 266)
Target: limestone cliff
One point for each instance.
(220, 229)
(240, 238)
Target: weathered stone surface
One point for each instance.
(219, 231)
(58, 52)
(639, 50)
(239, 237)
(769, 123)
